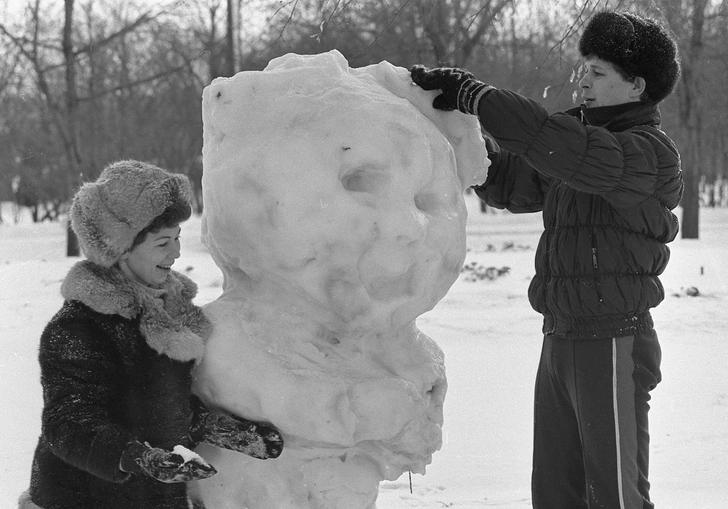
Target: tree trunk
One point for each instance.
(72, 248)
(230, 39)
(73, 157)
(690, 227)
(691, 120)
(691, 153)
(212, 45)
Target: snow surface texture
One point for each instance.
(186, 454)
(334, 208)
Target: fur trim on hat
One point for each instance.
(640, 46)
(171, 324)
(24, 502)
(108, 214)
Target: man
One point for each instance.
(606, 178)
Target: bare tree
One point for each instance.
(73, 155)
(456, 28)
(230, 38)
(687, 21)
(98, 94)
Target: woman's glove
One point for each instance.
(460, 89)
(164, 466)
(220, 429)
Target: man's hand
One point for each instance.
(460, 89)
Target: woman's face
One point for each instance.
(149, 263)
(603, 85)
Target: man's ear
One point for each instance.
(638, 87)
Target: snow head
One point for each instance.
(333, 206)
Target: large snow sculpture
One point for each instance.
(333, 206)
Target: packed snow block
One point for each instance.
(334, 208)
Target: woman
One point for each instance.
(117, 359)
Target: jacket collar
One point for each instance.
(171, 324)
(619, 117)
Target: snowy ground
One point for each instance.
(491, 339)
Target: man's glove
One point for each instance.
(460, 89)
(164, 466)
(491, 146)
(220, 429)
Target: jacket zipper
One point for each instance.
(593, 238)
(595, 263)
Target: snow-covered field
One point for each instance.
(491, 339)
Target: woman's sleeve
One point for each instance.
(80, 381)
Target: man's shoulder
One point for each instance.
(657, 138)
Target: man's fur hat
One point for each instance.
(108, 214)
(639, 45)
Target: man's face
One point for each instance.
(603, 85)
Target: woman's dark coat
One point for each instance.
(116, 365)
(606, 180)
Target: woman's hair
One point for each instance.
(173, 215)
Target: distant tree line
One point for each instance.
(713, 193)
(87, 82)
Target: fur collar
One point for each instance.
(171, 324)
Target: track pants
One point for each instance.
(591, 436)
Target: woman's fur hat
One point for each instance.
(640, 46)
(108, 214)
